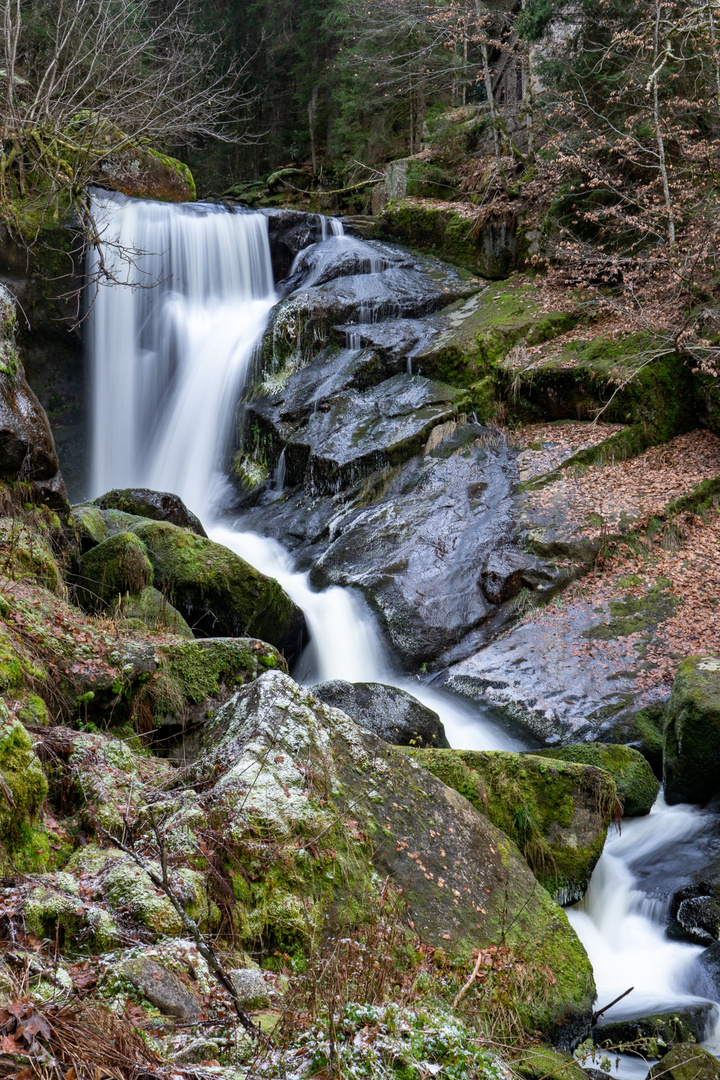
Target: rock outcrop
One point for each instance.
(691, 770)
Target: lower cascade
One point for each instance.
(182, 305)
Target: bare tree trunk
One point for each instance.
(714, 49)
(657, 68)
(529, 105)
(491, 101)
(312, 109)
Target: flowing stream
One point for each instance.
(183, 299)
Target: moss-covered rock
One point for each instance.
(687, 1061)
(154, 611)
(543, 1062)
(325, 812)
(27, 554)
(24, 788)
(156, 505)
(116, 567)
(55, 911)
(557, 814)
(691, 769)
(89, 525)
(636, 785)
(654, 1035)
(217, 592)
(453, 231)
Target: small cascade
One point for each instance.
(621, 920)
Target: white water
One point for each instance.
(167, 364)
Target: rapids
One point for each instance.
(182, 299)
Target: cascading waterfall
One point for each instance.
(171, 347)
(183, 298)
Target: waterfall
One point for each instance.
(182, 299)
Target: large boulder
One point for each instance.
(390, 713)
(691, 758)
(215, 591)
(556, 812)
(636, 785)
(299, 779)
(156, 505)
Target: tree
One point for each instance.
(83, 80)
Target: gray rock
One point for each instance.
(390, 713)
(691, 745)
(250, 987)
(161, 987)
(699, 917)
(197, 1051)
(669, 1029)
(280, 763)
(157, 505)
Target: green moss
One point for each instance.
(117, 566)
(440, 228)
(151, 608)
(25, 780)
(54, 911)
(89, 525)
(557, 815)
(33, 710)
(692, 732)
(636, 786)
(201, 576)
(636, 614)
(27, 555)
(547, 1063)
(203, 667)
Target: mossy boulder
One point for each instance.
(636, 785)
(126, 889)
(89, 525)
(654, 1035)
(24, 788)
(691, 745)
(116, 567)
(455, 232)
(543, 1062)
(687, 1061)
(156, 505)
(557, 813)
(481, 331)
(334, 812)
(217, 592)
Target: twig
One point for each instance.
(598, 1014)
(471, 980)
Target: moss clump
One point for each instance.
(691, 741)
(55, 909)
(636, 614)
(117, 566)
(202, 668)
(686, 1061)
(557, 814)
(542, 1062)
(27, 555)
(153, 611)
(637, 788)
(25, 789)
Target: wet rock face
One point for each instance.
(392, 714)
(665, 1030)
(692, 732)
